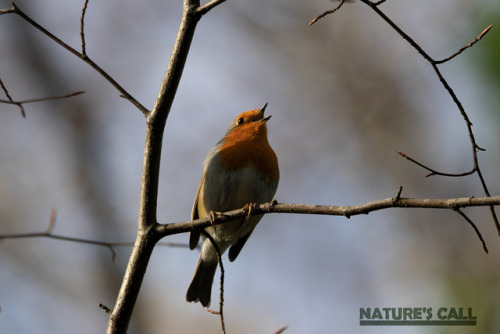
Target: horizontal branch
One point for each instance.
(216, 218)
(332, 210)
(48, 233)
(41, 99)
(454, 204)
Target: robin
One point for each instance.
(241, 169)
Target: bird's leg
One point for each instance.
(249, 208)
(212, 216)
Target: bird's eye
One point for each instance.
(241, 121)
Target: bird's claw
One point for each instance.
(249, 208)
(212, 217)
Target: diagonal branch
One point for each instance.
(147, 236)
(434, 64)
(10, 100)
(460, 212)
(462, 49)
(83, 56)
(202, 10)
(328, 12)
(433, 171)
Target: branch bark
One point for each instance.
(147, 235)
(454, 204)
(374, 5)
(83, 56)
(331, 210)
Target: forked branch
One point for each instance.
(49, 233)
(434, 63)
(82, 55)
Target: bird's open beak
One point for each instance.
(260, 115)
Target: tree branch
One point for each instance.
(40, 99)
(202, 10)
(328, 12)
(220, 313)
(83, 56)
(331, 210)
(474, 41)
(147, 235)
(48, 233)
(434, 63)
(10, 100)
(82, 25)
(471, 223)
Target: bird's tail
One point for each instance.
(200, 288)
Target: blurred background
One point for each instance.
(345, 94)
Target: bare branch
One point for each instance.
(281, 330)
(475, 147)
(487, 192)
(42, 99)
(328, 12)
(433, 171)
(460, 212)
(220, 313)
(202, 10)
(82, 56)
(156, 120)
(23, 113)
(48, 233)
(8, 11)
(105, 308)
(346, 211)
(82, 33)
(477, 39)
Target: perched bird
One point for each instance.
(241, 169)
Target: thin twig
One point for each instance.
(82, 32)
(328, 12)
(42, 99)
(84, 57)
(487, 192)
(221, 289)
(471, 223)
(477, 39)
(435, 172)
(398, 196)
(434, 63)
(48, 233)
(8, 11)
(281, 330)
(6, 92)
(202, 10)
(105, 308)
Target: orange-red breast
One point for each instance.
(241, 169)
